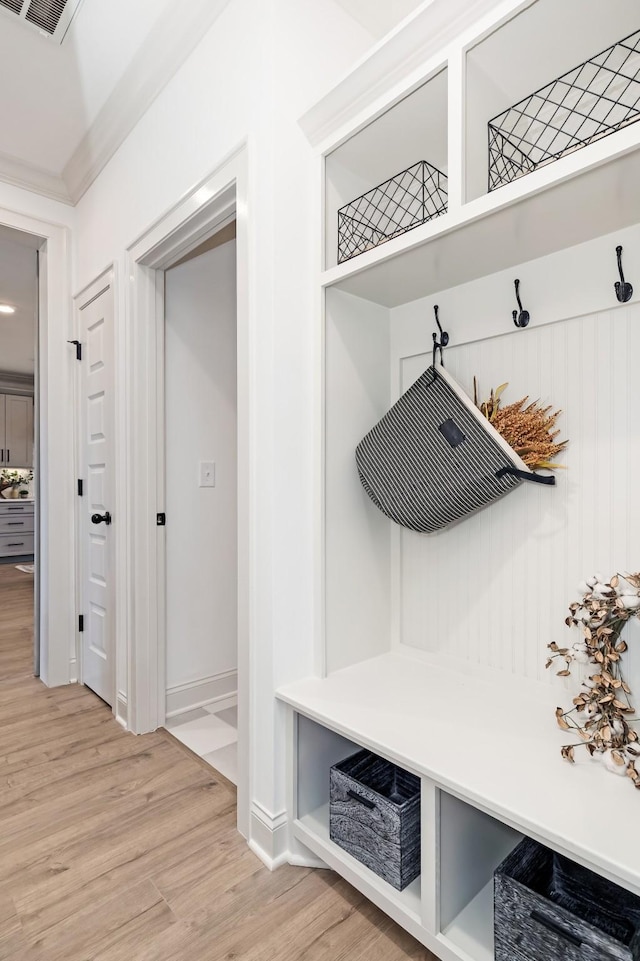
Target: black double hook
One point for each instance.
(444, 339)
(520, 319)
(624, 291)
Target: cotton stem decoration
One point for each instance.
(528, 428)
(602, 715)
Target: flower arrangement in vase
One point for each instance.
(602, 714)
(11, 480)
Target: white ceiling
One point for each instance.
(67, 107)
(379, 16)
(62, 87)
(60, 100)
(19, 289)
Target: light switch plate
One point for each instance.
(207, 473)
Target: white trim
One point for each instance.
(217, 689)
(54, 504)
(11, 383)
(122, 709)
(269, 836)
(204, 209)
(392, 62)
(301, 857)
(169, 44)
(33, 178)
(73, 670)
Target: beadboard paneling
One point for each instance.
(494, 589)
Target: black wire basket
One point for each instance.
(591, 101)
(409, 199)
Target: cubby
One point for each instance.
(472, 845)
(505, 67)
(431, 648)
(316, 749)
(409, 132)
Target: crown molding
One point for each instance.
(164, 51)
(35, 179)
(20, 383)
(422, 35)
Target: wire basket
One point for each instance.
(589, 102)
(409, 199)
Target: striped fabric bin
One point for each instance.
(434, 458)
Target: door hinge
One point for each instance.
(80, 623)
(161, 520)
(78, 346)
(80, 488)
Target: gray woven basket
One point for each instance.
(547, 907)
(375, 816)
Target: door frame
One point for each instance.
(54, 622)
(205, 209)
(104, 281)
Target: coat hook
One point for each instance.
(520, 319)
(624, 291)
(444, 339)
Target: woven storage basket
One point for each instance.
(434, 458)
(375, 816)
(547, 907)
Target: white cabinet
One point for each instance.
(481, 790)
(431, 655)
(16, 528)
(16, 431)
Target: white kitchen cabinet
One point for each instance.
(16, 527)
(16, 431)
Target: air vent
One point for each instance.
(50, 18)
(15, 5)
(46, 14)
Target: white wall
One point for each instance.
(250, 79)
(201, 404)
(510, 571)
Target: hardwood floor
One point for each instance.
(123, 848)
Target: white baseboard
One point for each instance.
(270, 841)
(220, 689)
(122, 710)
(269, 835)
(73, 670)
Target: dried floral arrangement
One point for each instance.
(529, 430)
(602, 714)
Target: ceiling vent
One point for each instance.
(51, 18)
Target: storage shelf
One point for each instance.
(472, 930)
(582, 196)
(313, 830)
(413, 711)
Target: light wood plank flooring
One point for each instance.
(123, 848)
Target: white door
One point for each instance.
(19, 430)
(97, 470)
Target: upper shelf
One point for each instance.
(493, 744)
(543, 42)
(443, 116)
(582, 196)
